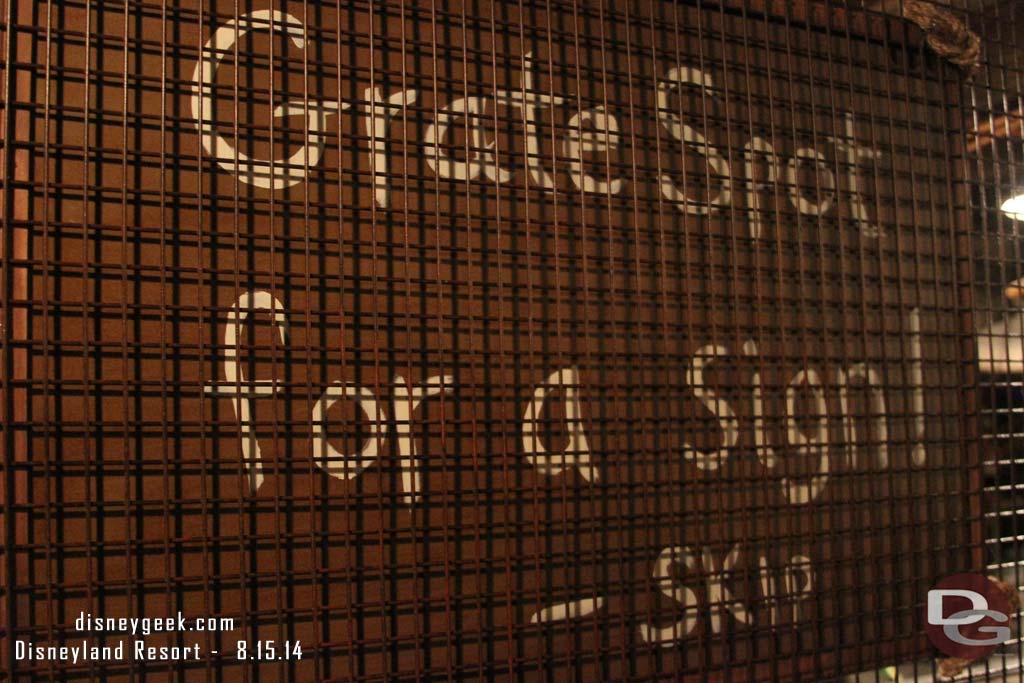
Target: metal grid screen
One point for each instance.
(565, 341)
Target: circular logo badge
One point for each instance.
(967, 616)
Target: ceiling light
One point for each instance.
(1014, 207)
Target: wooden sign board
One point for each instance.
(486, 341)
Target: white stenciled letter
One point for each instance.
(684, 75)
(828, 185)
(758, 147)
(765, 453)
(481, 159)
(404, 403)
(703, 357)
(329, 458)
(530, 104)
(919, 454)
(577, 451)
(854, 153)
(279, 174)
(797, 591)
(866, 374)
(591, 131)
(720, 598)
(241, 390)
(668, 635)
(815, 445)
(379, 113)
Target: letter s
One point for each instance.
(684, 75)
(668, 635)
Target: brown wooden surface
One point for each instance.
(138, 246)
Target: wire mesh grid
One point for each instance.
(497, 341)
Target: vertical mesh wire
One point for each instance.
(533, 341)
(993, 111)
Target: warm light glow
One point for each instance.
(1014, 207)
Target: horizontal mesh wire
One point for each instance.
(501, 341)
